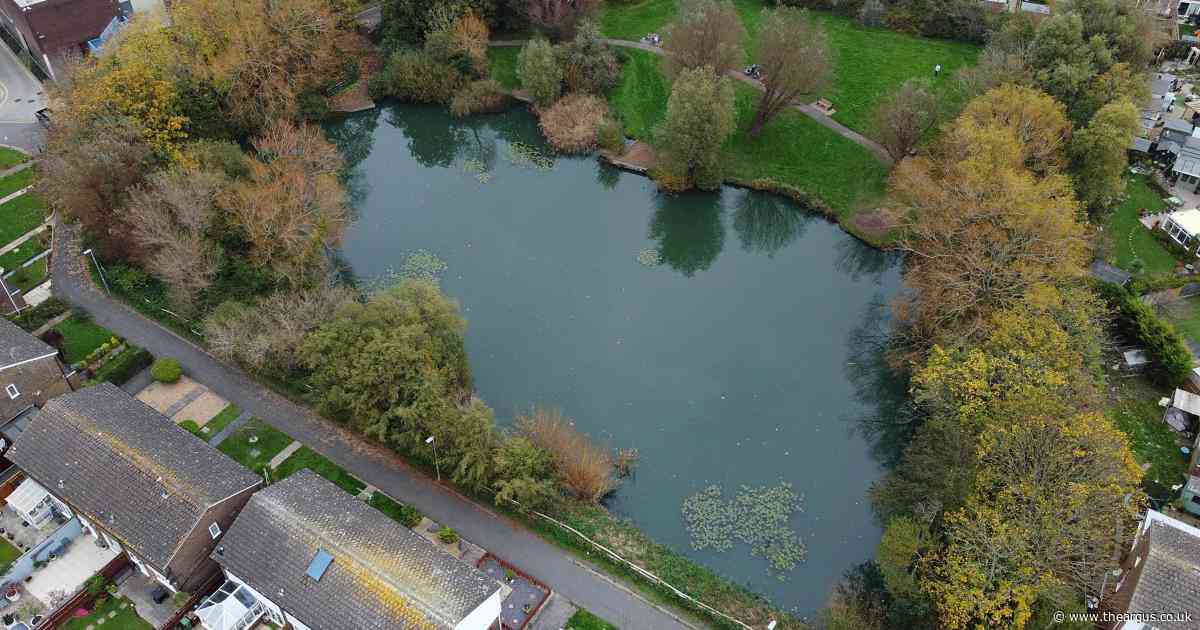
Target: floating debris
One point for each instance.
(649, 257)
(422, 264)
(529, 156)
(756, 516)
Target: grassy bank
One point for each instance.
(1132, 246)
(868, 62)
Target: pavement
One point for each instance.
(21, 94)
(373, 464)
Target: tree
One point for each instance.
(872, 14)
(539, 72)
(903, 117)
(293, 207)
(705, 33)
(700, 117)
(170, 218)
(559, 17)
(523, 474)
(395, 367)
(935, 473)
(795, 59)
(86, 170)
(588, 64)
(997, 66)
(470, 433)
(1037, 123)
(1098, 153)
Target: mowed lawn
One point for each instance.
(868, 62)
(19, 216)
(502, 65)
(81, 337)
(1131, 241)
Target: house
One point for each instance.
(1176, 130)
(1161, 574)
(53, 30)
(1187, 164)
(30, 372)
(134, 477)
(307, 555)
(1183, 226)
(1188, 8)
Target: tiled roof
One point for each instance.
(1170, 578)
(383, 576)
(1179, 124)
(128, 467)
(16, 345)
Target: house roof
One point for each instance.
(1178, 124)
(1186, 401)
(1170, 577)
(1139, 144)
(1189, 220)
(62, 24)
(17, 346)
(382, 575)
(127, 467)
(1160, 86)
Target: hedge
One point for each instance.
(1165, 347)
(119, 369)
(31, 319)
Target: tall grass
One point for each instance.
(585, 469)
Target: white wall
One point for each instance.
(484, 616)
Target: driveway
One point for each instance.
(365, 460)
(20, 93)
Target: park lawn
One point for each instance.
(402, 513)
(1130, 239)
(1136, 412)
(80, 337)
(11, 157)
(310, 459)
(256, 455)
(25, 278)
(8, 555)
(21, 253)
(796, 150)
(502, 66)
(584, 620)
(641, 96)
(15, 182)
(868, 62)
(125, 619)
(20, 215)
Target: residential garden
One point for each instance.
(23, 264)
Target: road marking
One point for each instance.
(3, 93)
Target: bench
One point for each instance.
(825, 107)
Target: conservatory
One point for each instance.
(231, 607)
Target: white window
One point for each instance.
(13, 393)
(214, 530)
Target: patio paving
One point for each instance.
(204, 408)
(66, 575)
(24, 536)
(524, 593)
(140, 589)
(162, 396)
(554, 615)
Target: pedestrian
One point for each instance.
(937, 70)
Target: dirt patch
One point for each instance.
(872, 223)
(162, 395)
(638, 156)
(203, 409)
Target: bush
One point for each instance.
(416, 77)
(572, 124)
(539, 72)
(166, 370)
(448, 536)
(480, 97)
(584, 468)
(33, 318)
(588, 64)
(402, 513)
(1164, 345)
(611, 137)
(122, 367)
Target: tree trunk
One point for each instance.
(760, 120)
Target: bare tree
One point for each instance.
(169, 217)
(705, 33)
(794, 57)
(903, 117)
(560, 16)
(293, 206)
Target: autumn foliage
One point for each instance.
(584, 468)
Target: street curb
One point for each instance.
(615, 584)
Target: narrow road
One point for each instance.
(804, 108)
(373, 464)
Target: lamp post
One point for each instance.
(91, 252)
(436, 466)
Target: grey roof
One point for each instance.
(1171, 147)
(128, 467)
(1180, 125)
(1160, 86)
(1108, 273)
(16, 345)
(1188, 161)
(1139, 144)
(383, 575)
(1170, 579)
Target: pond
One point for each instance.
(726, 336)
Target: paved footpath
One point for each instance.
(373, 464)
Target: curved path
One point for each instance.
(806, 109)
(375, 465)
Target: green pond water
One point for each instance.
(726, 336)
